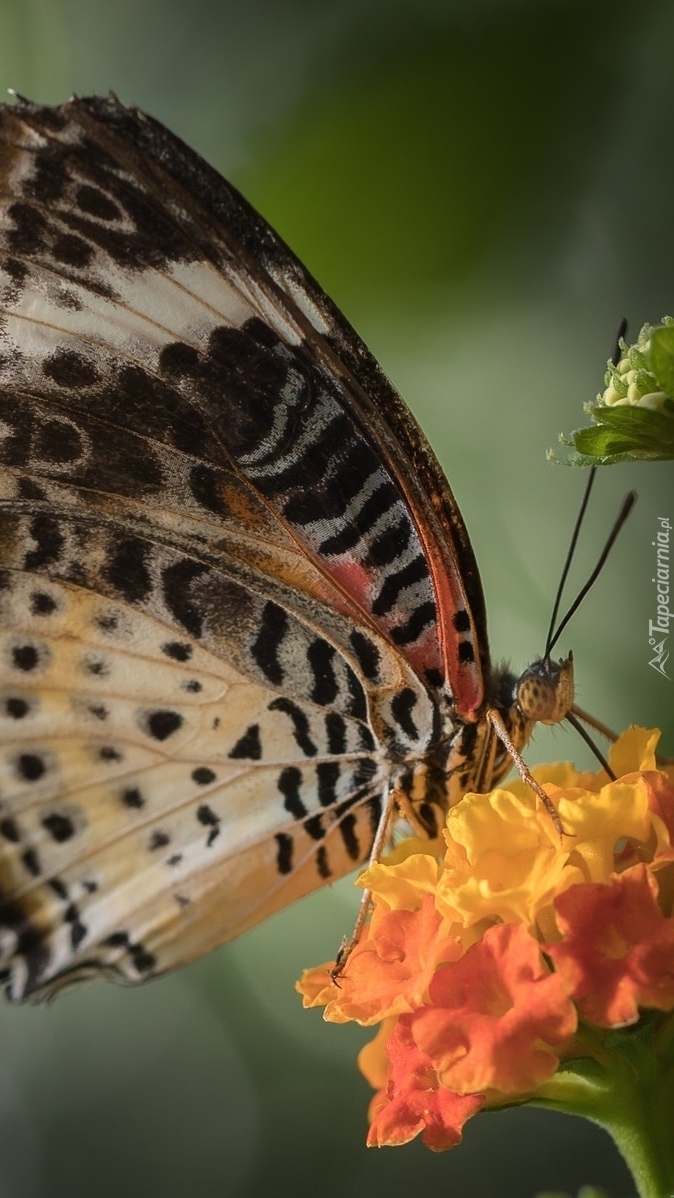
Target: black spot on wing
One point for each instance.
(321, 656)
(327, 776)
(314, 827)
(28, 657)
(128, 569)
(209, 819)
(10, 829)
(49, 542)
(300, 724)
(335, 727)
(57, 442)
(461, 620)
(379, 503)
(110, 753)
(42, 604)
(389, 544)
(367, 654)
(249, 745)
(415, 571)
(435, 678)
(176, 583)
(133, 798)
(107, 622)
(179, 359)
(60, 827)
(72, 251)
(402, 706)
(31, 862)
(466, 652)
(289, 782)
(30, 767)
(70, 369)
(177, 650)
(98, 667)
(347, 830)
(265, 647)
(322, 863)
(28, 236)
(422, 616)
(203, 776)
(284, 853)
(160, 724)
(36, 953)
(94, 202)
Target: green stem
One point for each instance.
(626, 1086)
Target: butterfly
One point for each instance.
(241, 618)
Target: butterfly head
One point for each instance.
(544, 692)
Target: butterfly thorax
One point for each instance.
(472, 757)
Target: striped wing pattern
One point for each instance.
(238, 602)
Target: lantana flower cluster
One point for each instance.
(491, 967)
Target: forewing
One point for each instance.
(156, 297)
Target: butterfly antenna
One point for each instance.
(628, 504)
(582, 731)
(549, 641)
(553, 636)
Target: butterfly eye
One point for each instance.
(545, 690)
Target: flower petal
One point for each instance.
(498, 1015)
(617, 948)
(413, 1100)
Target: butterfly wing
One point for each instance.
(234, 581)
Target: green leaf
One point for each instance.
(623, 434)
(661, 357)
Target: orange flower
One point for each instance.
(490, 967)
(495, 1016)
(414, 1101)
(617, 948)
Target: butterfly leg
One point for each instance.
(381, 838)
(520, 764)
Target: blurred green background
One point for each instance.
(485, 188)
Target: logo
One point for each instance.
(661, 623)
